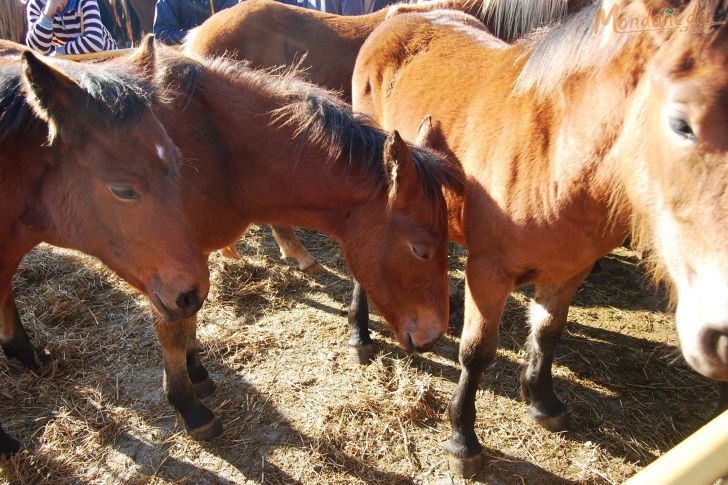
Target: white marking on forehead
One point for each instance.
(161, 151)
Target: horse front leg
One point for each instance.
(199, 422)
(549, 308)
(485, 299)
(361, 346)
(291, 247)
(13, 337)
(202, 383)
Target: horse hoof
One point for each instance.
(555, 424)
(314, 268)
(362, 354)
(45, 364)
(204, 388)
(206, 432)
(465, 467)
(8, 446)
(231, 252)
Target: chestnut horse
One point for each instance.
(85, 164)
(565, 138)
(274, 149)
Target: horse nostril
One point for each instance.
(189, 300)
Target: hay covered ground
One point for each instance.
(296, 409)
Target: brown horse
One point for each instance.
(274, 149)
(85, 164)
(565, 138)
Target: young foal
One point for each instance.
(85, 164)
(277, 150)
(566, 137)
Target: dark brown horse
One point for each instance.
(85, 164)
(565, 138)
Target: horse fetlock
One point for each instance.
(204, 388)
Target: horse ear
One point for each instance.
(426, 133)
(401, 173)
(144, 58)
(56, 98)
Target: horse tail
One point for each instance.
(12, 20)
(511, 19)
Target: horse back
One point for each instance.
(270, 34)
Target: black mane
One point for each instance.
(118, 98)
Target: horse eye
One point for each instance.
(419, 252)
(124, 193)
(681, 127)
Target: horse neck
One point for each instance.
(22, 176)
(274, 176)
(591, 110)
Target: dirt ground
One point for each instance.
(296, 409)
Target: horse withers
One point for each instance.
(85, 164)
(569, 139)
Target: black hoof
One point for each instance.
(556, 424)
(206, 432)
(39, 362)
(362, 354)
(204, 388)
(8, 445)
(465, 467)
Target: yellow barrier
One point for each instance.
(700, 459)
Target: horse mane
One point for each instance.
(119, 98)
(12, 20)
(323, 120)
(512, 19)
(571, 47)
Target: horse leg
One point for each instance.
(199, 421)
(8, 445)
(202, 383)
(361, 347)
(549, 308)
(13, 337)
(484, 303)
(291, 247)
